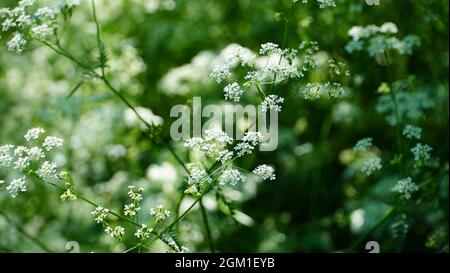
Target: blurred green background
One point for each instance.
(159, 52)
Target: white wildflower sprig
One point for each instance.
(213, 144)
(363, 145)
(231, 176)
(265, 172)
(421, 153)
(233, 91)
(29, 159)
(143, 232)
(379, 39)
(322, 3)
(272, 102)
(117, 232)
(100, 215)
(412, 132)
(248, 143)
(135, 195)
(371, 164)
(406, 187)
(159, 213)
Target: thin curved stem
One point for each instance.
(206, 224)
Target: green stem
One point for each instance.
(207, 228)
(394, 100)
(284, 40)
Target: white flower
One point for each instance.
(16, 44)
(16, 186)
(249, 142)
(406, 187)
(135, 195)
(68, 195)
(220, 73)
(235, 53)
(48, 170)
(46, 13)
(233, 91)
(51, 142)
(389, 27)
(231, 177)
(214, 141)
(421, 152)
(194, 143)
(143, 232)
(116, 232)
(218, 135)
(2, 181)
(35, 153)
(41, 32)
(269, 48)
(26, 3)
(5, 155)
(131, 209)
(254, 138)
(356, 32)
(272, 102)
(197, 175)
(159, 213)
(254, 77)
(311, 91)
(100, 214)
(412, 132)
(371, 164)
(224, 156)
(22, 163)
(265, 172)
(34, 133)
(363, 145)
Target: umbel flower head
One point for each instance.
(26, 21)
(406, 187)
(29, 159)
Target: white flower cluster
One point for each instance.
(233, 91)
(197, 180)
(412, 132)
(220, 73)
(272, 102)
(265, 172)
(274, 66)
(29, 159)
(159, 213)
(100, 214)
(117, 232)
(143, 232)
(406, 187)
(371, 164)
(322, 3)
(248, 143)
(421, 152)
(27, 21)
(135, 195)
(213, 144)
(231, 176)
(363, 145)
(380, 39)
(337, 71)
